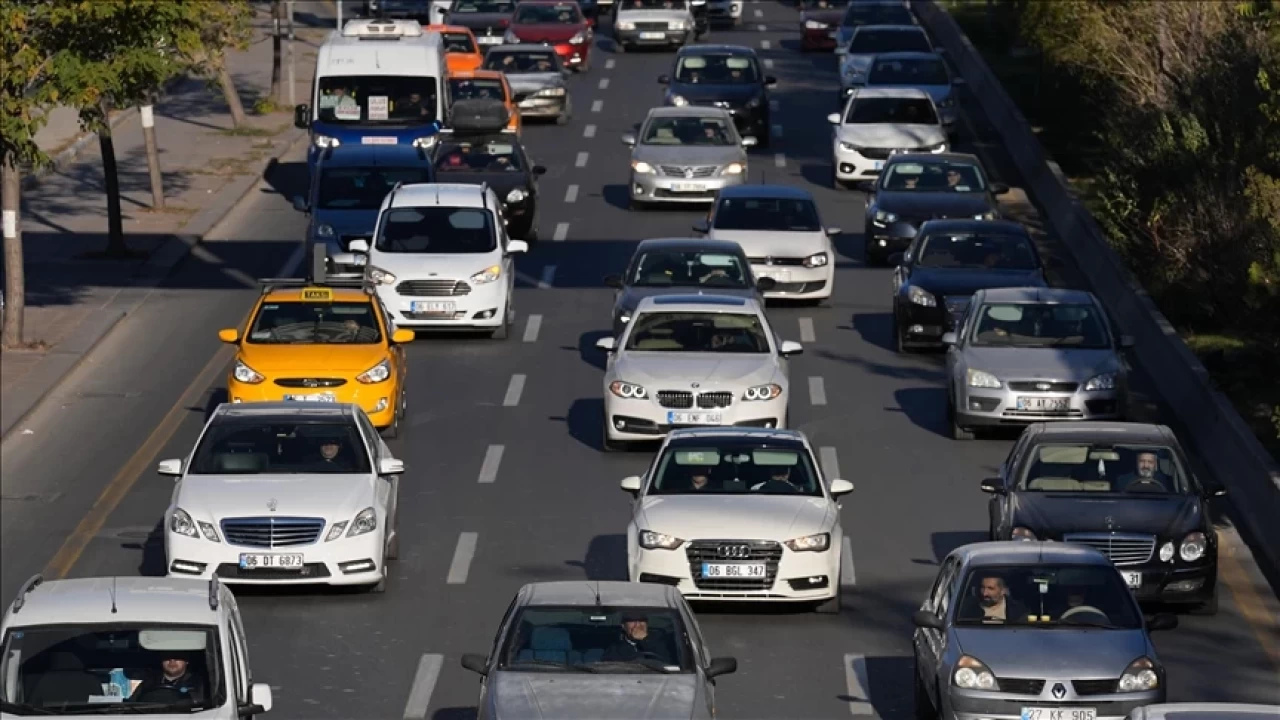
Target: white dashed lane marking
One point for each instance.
(779, 160)
(807, 334)
(847, 576)
(489, 468)
(597, 106)
(817, 391)
(765, 45)
(608, 64)
(571, 195)
(424, 683)
(462, 556)
(514, 389)
(759, 13)
(768, 63)
(762, 28)
(582, 159)
(589, 131)
(830, 462)
(562, 232)
(531, 328)
(604, 83)
(855, 679)
(547, 282)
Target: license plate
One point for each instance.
(780, 276)
(694, 418)
(368, 140)
(317, 397)
(686, 187)
(1043, 403)
(432, 307)
(489, 40)
(735, 570)
(1063, 713)
(652, 35)
(255, 561)
(1133, 579)
(877, 165)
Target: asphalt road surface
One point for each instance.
(81, 497)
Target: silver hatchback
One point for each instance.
(685, 155)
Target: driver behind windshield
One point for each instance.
(171, 683)
(636, 642)
(1146, 476)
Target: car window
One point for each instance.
(874, 42)
(689, 269)
(908, 72)
(476, 89)
(363, 188)
(558, 14)
(653, 5)
(604, 639)
(516, 62)
(486, 156)
(235, 447)
(890, 110)
(436, 230)
(698, 332)
(1104, 468)
(736, 468)
(376, 99)
(792, 215)
(723, 69)
(688, 131)
(1047, 596)
(458, 42)
(933, 176)
(1040, 325)
(304, 323)
(482, 6)
(995, 251)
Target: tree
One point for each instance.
(218, 26)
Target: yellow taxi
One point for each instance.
(321, 343)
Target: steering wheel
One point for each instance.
(1085, 610)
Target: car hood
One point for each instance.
(734, 94)
(892, 135)
(749, 517)
(658, 370)
(215, 497)
(951, 205)
(630, 298)
(1063, 364)
(1053, 653)
(528, 82)
(830, 17)
(420, 266)
(629, 15)
(967, 281)
(1050, 515)
(501, 182)
(772, 243)
(318, 359)
(546, 32)
(559, 696)
(480, 21)
(689, 155)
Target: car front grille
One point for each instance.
(1120, 548)
(1020, 686)
(310, 382)
(272, 532)
(786, 262)
(884, 153)
(651, 26)
(1038, 386)
(433, 288)
(698, 171)
(1095, 687)
(677, 399)
(715, 399)
(683, 399)
(738, 551)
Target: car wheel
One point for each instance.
(585, 66)
(957, 432)
(502, 331)
(635, 205)
(391, 431)
(564, 117)
(620, 47)
(381, 586)
(832, 605)
(836, 182)
(611, 446)
(924, 704)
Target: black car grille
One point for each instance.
(675, 399)
(884, 153)
(1095, 687)
(1058, 387)
(433, 288)
(310, 382)
(272, 532)
(1020, 686)
(715, 399)
(1120, 549)
(734, 551)
(651, 26)
(682, 170)
(683, 399)
(789, 262)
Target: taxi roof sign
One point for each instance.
(322, 294)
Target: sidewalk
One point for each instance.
(74, 297)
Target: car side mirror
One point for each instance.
(770, 81)
(302, 116)
(664, 79)
(926, 619)
(259, 699)
(1162, 621)
(834, 118)
(300, 204)
(170, 468)
(999, 189)
(390, 466)
(790, 347)
(613, 281)
(229, 335)
(841, 487)
(897, 258)
(358, 246)
(1127, 341)
(629, 139)
(702, 226)
(949, 338)
(403, 336)
(993, 486)
(834, 232)
(607, 344)
(517, 246)
(721, 666)
(631, 484)
(538, 170)
(476, 663)
(749, 141)
(765, 284)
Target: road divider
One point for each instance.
(562, 232)
(807, 335)
(514, 389)
(571, 194)
(589, 131)
(424, 684)
(548, 280)
(531, 328)
(848, 578)
(817, 391)
(489, 468)
(597, 106)
(581, 161)
(463, 554)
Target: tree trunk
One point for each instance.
(232, 97)
(153, 155)
(116, 246)
(14, 280)
(277, 19)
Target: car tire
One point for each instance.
(899, 344)
(619, 47)
(833, 604)
(585, 67)
(504, 330)
(923, 703)
(392, 431)
(836, 182)
(611, 446)
(564, 117)
(381, 586)
(635, 206)
(957, 432)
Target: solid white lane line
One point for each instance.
(562, 232)
(548, 278)
(817, 391)
(768, 63)
(759, 13)
(847, 577)
(777, 131)
(604, 83)
(807, 335)
(780, 160)
(424, 683)
(855, 680)
(830, 462)
(492, 459)
(582, 159)
(608, 64)
(765, 44)
(597, 106)
(589, 131)
(514, 389)
(761, 28)
(462, 556)
(571, 195)
(531, 328)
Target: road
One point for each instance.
(553, 510)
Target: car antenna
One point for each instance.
(113, 595)
(596, 589)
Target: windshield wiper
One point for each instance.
(550, 664)
(1088, 623)
(648, 664)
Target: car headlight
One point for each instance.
(734, 169)
(1166, 552)
(939, 148)
(578, 39)
(511, 37)
(989, 215)
(1140, 676)
(324, 231)
(245, 374)
(1193, 547)
(181, 523)
(550, 92)
(1105, 381)
(335, 532)
(380, 276)
(920, 297)
(971, 674)
(365, 522)
(324, 141)
(650, 540)
(628, 390)
(811, 543)
(376, 374)
(426, 142)
(677, 25)
(677, 100)
(641, 167)
(849, 147)
(817, 260)
(515, 196)
(814, 25)
(487, 275)
(885, 217)
(980, 379)
(624, 25)
(763, 392)
(1021, 533)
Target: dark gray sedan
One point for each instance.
(1034, 631)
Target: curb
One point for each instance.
(162, 263)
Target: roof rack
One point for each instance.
(30, 585)
(214, 586)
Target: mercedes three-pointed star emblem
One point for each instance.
(272, 504)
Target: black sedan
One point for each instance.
(946, 264)
(1123, 488)
(665, 266)
(915, 187)
(724, 76)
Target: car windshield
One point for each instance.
(1040, 325)
(698, 332)
(908, 72)
(1047, 596)
(487, 155)
(117, 668)
(688, 131)
(877, 42)
(482, 6)
(717, 70)
(689, 269)
(377, 99)
(933, 176)
(364, 188)
(891, 111)
(558, 14)
(994, 251)
(860, 13)
(736, 467)
(777, 214)
(307, 323)
(458, 42)
(653, 5)
(516, 62)
(1104, 468)
(597, 639)
(437, 230)
(476, 89)
(257, 447)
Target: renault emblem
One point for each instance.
(1059, 691)
(272, 504)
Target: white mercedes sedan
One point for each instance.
(694, 360)
(738, 514)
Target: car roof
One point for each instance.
(284, 410)
(676, 244)
(698, 302)
(688, 111)
(1037, 294)
(890, 28)
(352, 155)
(963, 225)
(716, 50)
(136, 599)
(437, 195)
(584, 592)
(295, 294)
(891, 92)
(946, 156)
(788, 192)
(913, 55)
(522, 47)
(1022, 552)
(1104, 430)
(695, 434)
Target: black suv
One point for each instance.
(724, 76)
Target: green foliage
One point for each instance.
(24, 88)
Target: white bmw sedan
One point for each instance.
(741, 514)
(690, 360)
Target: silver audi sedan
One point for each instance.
(1034, 631)
(1024, 355)
(685, 155)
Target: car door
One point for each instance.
(902, 273)
(1000, 506)
(930, 644)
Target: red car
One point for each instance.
(559, 23)
(820, 23)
